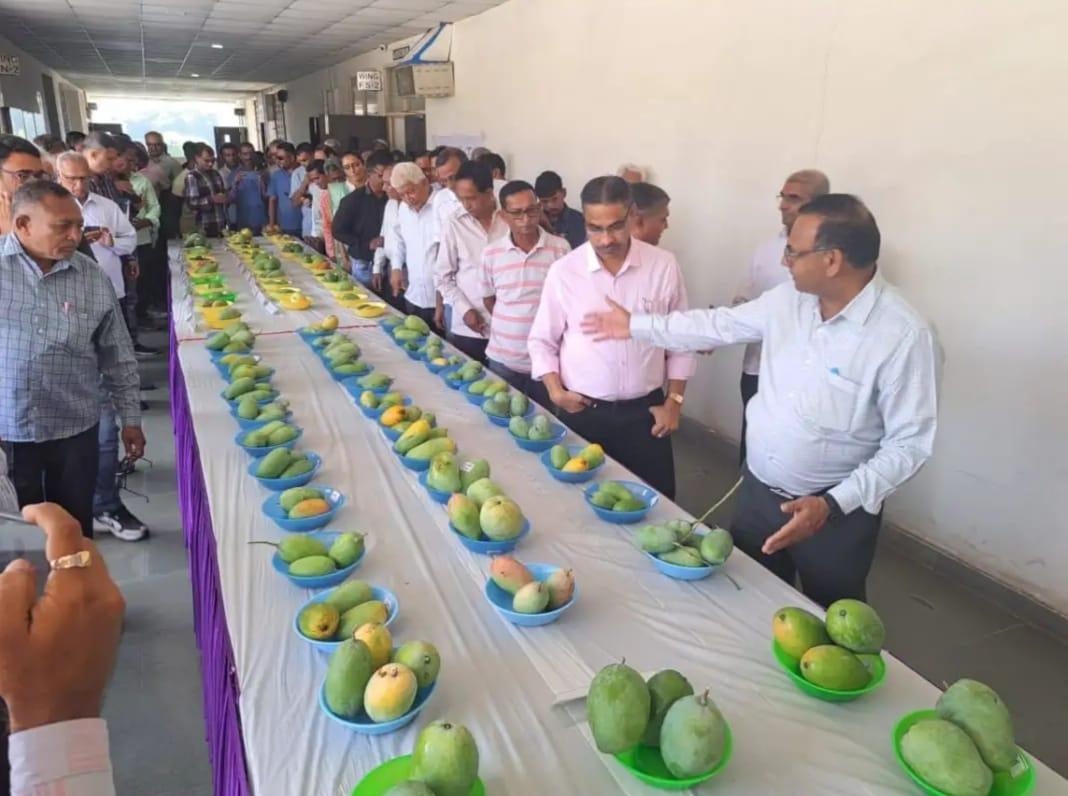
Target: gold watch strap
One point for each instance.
(79, 560)
(674, 396)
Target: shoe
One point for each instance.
(149, 386)
(144, 406)
(144, 352)
(122, 524)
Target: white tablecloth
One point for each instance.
(499, 680)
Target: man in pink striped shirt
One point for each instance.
(513, 271)
(613, 395)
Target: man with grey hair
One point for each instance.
(63, 336)
(767, 269)
(631, 173)
(414, 241)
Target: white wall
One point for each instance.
(947, 117)
(21, 92)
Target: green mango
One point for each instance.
(271, 412)
(629, 504)
(317, 621)
(980, 712)
(797, 631)
(445, 759)
(496, 408)
(471, 471)
(292, 497)
(665, 688)
(617, 708)
(531, 598)
(255, 439)
(494, 388)
(444, 473)
(615, 489)
(946, 758)
(229, 314)
(482, 490)
(236, 348)
(422, 658)
(274, 463)
(716, 546)
(478, 387)
(298, 546)
(416, 324)
(371, 611)
(349, 594)
(540, 428)
(375, 381)
(298, 466)
(519, 427)
(356, 368)
(347, 673)
(346, 549)
(239, 387)
(390, 399)
(369, 399)
(312, 567)
(519, 405)
(218, 341)
(655, 539)
(282, 435)
(438, 433)
(683, 557)
(243, 336)
(603, 500)
(693, 736)
(855, 625)
(559, 455)
(431, 448)
(248, 409)
(463, 514)
(404, 335)
(834, 667)
(262, 393)
(409, 788)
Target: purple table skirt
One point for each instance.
(221, 714)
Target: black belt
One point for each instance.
(650, 399)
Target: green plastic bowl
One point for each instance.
(393, 772)
(1005, 784)
(792, 667)
(646, 764)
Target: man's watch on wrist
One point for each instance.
(834, 511)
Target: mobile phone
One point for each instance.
(19, 539)
(90, 228)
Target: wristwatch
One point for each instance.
(834, 510)
(79, 560)
(676, 397)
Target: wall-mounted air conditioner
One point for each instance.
(423, 80)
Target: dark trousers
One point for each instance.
(59, 471)
(426, 313)
(474, 347)
(831, 565)
(750, 382)
(623, 429)
(151, 284)
(532, 388)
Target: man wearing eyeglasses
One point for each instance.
(457, 273)
(848, 400)
(358, 222)
(513, 272)
(613, 394)
(767, 269)
(20, 162)
(280, 209)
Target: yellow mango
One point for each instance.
(576, 465)
(393, 415)
(309, 508)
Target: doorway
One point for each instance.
(51, 111)
(228, 135)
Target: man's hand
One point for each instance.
(140, 223)
(611, 325)
(439, 316)
(396, 280)
(474, 320)
(665, 418)
(376, 282)
(809, 516)
(133, 439)
(57, 652)
(220, 198)
(376, 243)
(570, 402)
(133, 269)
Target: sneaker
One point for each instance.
(144, 352)
(122, 524)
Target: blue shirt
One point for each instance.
(295, 180)
(289, 218)
(61, 335)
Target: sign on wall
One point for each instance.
(368, 80)
(9, 65)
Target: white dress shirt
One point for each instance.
(765, 272)
(458, 271)
(69, 758)
(389, 234)
(849, 403)
(415, 246)
(100, 211)
(446, 205)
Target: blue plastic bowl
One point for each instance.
(321, 581)
(641, 491)
(352, 384)
(539, 445)
(681, 573)
(459, 385)
(273, 509)
(488, 547)
(418, 465)
(436, 494)
(376, 413)
(570, 478)
(252, 425)
(471, 397)
(282, 484)
(377, 593)
(224, 370)
(392, 434)
(259, 453)
(308, 335)
(263, 402)
(504, 421)
(363, 724)
(343, 376)
(502, 600)
(416, 355)
(387, 326)
(437, 368)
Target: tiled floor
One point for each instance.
(938, 627)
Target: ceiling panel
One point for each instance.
(135, 47)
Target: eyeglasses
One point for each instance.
(67, 178)
(26, 175)
(789, 255)
(534, 211)
(792, 198)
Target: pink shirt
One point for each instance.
(516, 278)
(650, 282)
(457, 273)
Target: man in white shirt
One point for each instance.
(766, 270)
(381, 267)
(848, 404)
(446, 165)
(457, 275)
(652, 206)
(414, 242)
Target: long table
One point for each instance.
(519, 690)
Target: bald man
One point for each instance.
(766, 270)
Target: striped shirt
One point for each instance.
(516, 277)
(61, 335)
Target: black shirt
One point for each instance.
(571, 225)
(358, 221)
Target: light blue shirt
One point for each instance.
(279, 187)
(299, 173)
